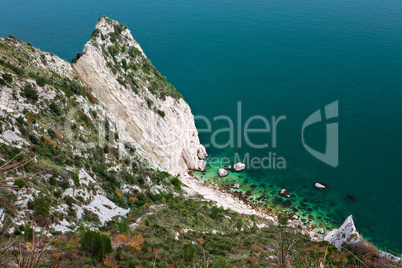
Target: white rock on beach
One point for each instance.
(238, 167)
(222, 172)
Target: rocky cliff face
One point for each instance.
(148, 111)
(346, 234)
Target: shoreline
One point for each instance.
(229, 200)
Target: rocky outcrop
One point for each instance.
(238, 167)
(347, 234)
(160, 127)
(222, 172)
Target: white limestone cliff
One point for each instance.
(169, 143)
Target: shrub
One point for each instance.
(189, 252)
(41, 81)
(96, 243)
(161, 113)
(219, 263)
(254, 229)
(41, 205)
(78, 55)
(95, 33)
(52, 181)
(8, 78)
(123, 225)
(55, 109)
(51, 133)
(20, 183)
(283, 221)
(216, 213)
(239, 224)
(135, 242)
(176, 183)
(113, 50)
(2, 82)
(30, 93)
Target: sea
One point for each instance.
(255, 73)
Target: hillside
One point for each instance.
(93, 157)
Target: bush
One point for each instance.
(51, 133)
(189, 252)
(96, 243)
(161, 113)
(239, 224)
(254, 229)
(8, 78)
(52, 181)
(123, 225)
(219, 263)
(176, 183)
(216, 213)
(20, 183)
(41, 205)
(41, 81)
(78, 56)
(30, 93)
(55, 109)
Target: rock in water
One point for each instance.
(236, 186)
(222, 172)
(284, 193)
(320, 185)
(351, 196)
(347, 234)
(238, 167)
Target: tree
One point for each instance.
(96, 243)
(42, 205)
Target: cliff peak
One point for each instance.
(150, 112)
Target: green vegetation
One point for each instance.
(30, 93)
(96, 243)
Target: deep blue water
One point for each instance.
(278, 58)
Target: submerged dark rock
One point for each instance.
(351, 196)
(287, 203)
(303, 204)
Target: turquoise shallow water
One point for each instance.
(279, 58)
